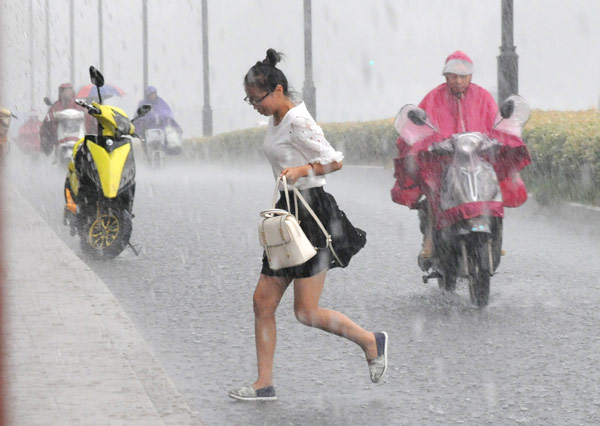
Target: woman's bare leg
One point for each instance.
(307, 292)
(267, 296)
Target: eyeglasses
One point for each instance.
(255, 101)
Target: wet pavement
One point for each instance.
(529, 358)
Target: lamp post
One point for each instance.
(72, 37)
(145, 41)
(309, 92)
(31, 57)
(48, 65)
(508, 67)
(207, 127)
(100, 38)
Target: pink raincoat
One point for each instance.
(474, 112)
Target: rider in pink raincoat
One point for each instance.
(48, 129)
(454, 107)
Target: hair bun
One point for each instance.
(272, 58)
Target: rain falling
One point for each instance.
(129, 297)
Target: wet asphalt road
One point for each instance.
(531, 357)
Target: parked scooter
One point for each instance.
(467, 234)
(100, 184)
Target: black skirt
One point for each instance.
(346, 239)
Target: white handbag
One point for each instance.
(280, 235)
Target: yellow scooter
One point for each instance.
(100, 184)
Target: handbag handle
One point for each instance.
(298, 195)
(285, 190)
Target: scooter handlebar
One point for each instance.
(141, 139)
(444, 147)
(91, 109)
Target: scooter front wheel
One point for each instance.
(497, 242)
(105, 235)
(447, 263)
(479, 272)
(157, 159)
(448, 279)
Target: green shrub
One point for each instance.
(372, 142)
(565, 155)
(241, 145)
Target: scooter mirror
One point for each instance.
(507, 108)
(47, 101)
(143, 110)
(96, 77)
(417, 116)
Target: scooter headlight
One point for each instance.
(123, 124)
(468, 143)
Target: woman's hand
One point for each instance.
(292, 174)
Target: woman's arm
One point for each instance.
(292, 174)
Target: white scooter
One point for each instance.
(71, 128)
(161, 141)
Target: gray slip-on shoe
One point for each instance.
(248, 393)
(378, 366)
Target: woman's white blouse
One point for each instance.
(297, 141)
